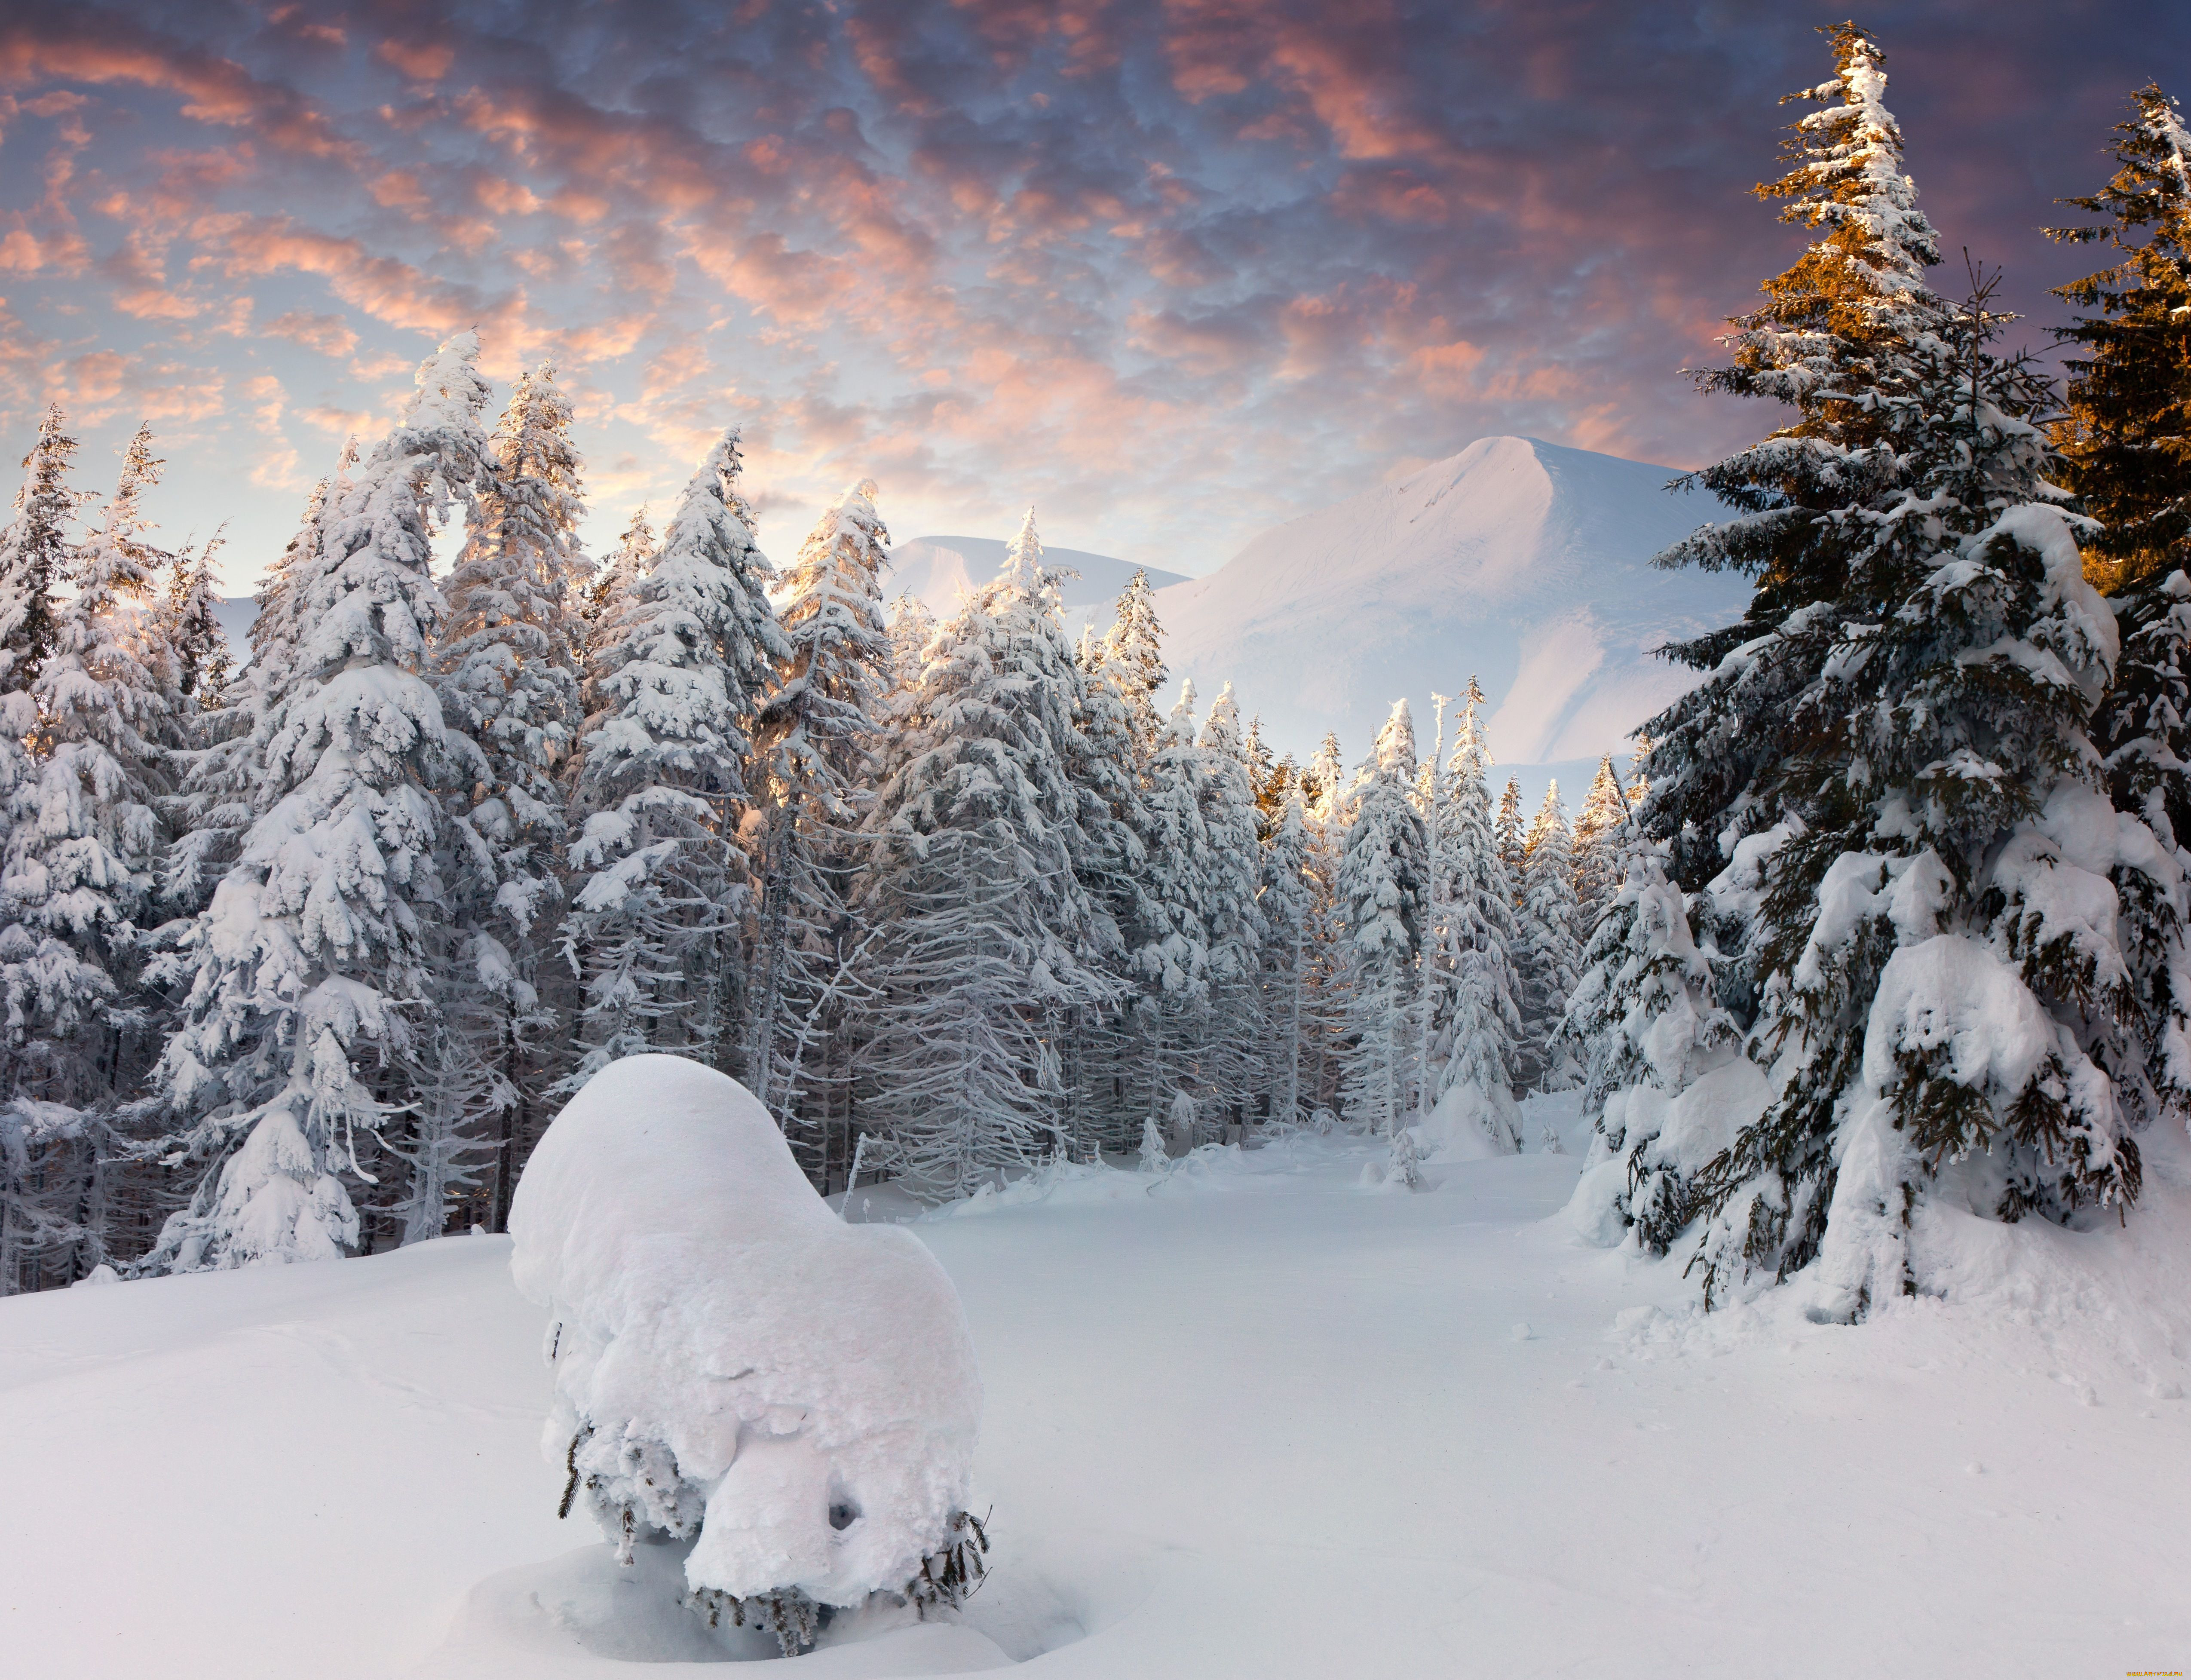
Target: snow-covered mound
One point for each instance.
(943, 572)
(1516, 561)
(732, 1361)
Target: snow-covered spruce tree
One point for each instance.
(1475, 1017)
(1935, 940)
(198, 664)
(1326, 811)
(302, 978)
(1286, 904)
(42, 1145)
(1511, 832)
(1551, 954)
(817, 734)
(506, 669)
(2126, 435)
(608, 592)
(662, 882)
(78, 868)
(1664, 1067)
(1229, 1065)
(1599, 865)
(1133, 650)
(988, 938)
(912, 628)
(1382, 884)
(1102, 1071)
(1170, 956)
(2126, 445)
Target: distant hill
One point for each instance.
(1521, 563)
(942, 571)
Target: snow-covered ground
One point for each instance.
(1251, 1421)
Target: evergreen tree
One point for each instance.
(2126, 445)
(817, 734)
(1286, 904)
(608, 593)
(1134, 653)
(988, 941)
(1551, 954)
(297, 1038)
(1233, 925)
(1599, 863)
(912, 628)
(34, 556)
(663, 881)
(506, 669)
(2126, 435)
(1896, 759)
(1326, 811)
(1171, 959)
(198, 661)
(1510, 832)
(1645, 1025)
(76, 873)
(1102, 1050)
(1475, 1019)
(1382, 884)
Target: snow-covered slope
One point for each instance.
(941, 571)
(1518, 562)
(1246, 1420)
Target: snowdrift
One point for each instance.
(735, 1366)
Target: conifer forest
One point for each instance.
(301, 954)
(1498, 982)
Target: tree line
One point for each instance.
(301, 959)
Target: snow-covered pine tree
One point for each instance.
(2125, 442)
(1511, 832)
(662, 880)
(303, 976)
(912, 628)
(817, 734)
(1230, 821)
(1100, 1053)
(2126, 435)
(1382, 886)
(1475, 1017)
(1599, 864)
(1551, 954)
(189, 630)
(34, 556)
(1286, 904)
(1171, 958)
(1896, 751)
(1133, 650)
(1325, 807)
(43, 1142)
(988, 940)
(1664, 1064)
(608, 592)
(506, 668)
(83, 847)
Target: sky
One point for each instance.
(1171, 270)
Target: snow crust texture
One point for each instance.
(734, 1365)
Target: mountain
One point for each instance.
(941, 571)
(1521, 563)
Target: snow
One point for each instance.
(1250, 1421)
(1521, 562)
(945, 574)
(722, 1341)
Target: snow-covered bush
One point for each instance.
(738, 1368)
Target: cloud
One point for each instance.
(1176, 268)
